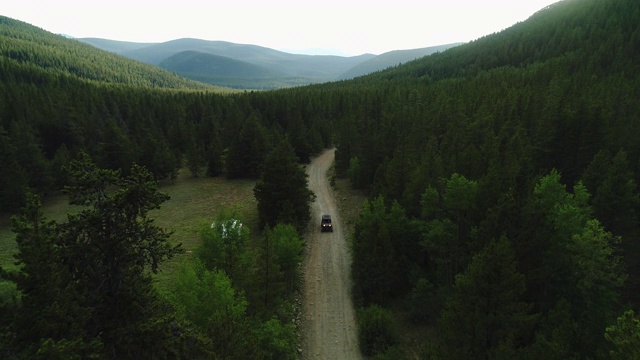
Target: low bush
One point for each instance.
(375, 330)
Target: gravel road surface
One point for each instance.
(329, 329)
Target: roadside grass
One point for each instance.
(194, 203)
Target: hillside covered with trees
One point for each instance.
(503, 212)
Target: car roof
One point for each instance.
(326, 216)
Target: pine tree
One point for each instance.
(109, 249)
(215, 165)
(625, 337)
(52, 319)
(375, 263)
(487, 317)
(282, 193)
(14, 180)
(247, 152)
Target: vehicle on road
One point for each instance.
(325, 224)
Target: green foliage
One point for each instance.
(282, 192)
(277, 340)
(354, 173)
(215, 164)
(85, 282)
(392, 353)
(216, 304)
(226, 245)
(556, 335)
(625, 336)
(487, 315)
(271, 283)
(597, 270)
(195, 158)
(207, 299)
(616, 203)
(248, 151)
(430, 201)
(376, 332)
(68, 349)
(287, 247)
(29, 153)
(385, 247)
(448, 232)
(225, 291)
(463, 142)
(53, 310)
(9, 296)
(423, 302)
(9, 305)
(44, 51)
(616, 198)
(11, 186)
(564, 214)
(375, 265)
(460, 193)
(571, 239)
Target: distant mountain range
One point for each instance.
(254, 67)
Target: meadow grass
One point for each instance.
(55, 207)
(194, 203)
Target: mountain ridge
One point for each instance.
(24, 44)
(295, 69)
(393, 58)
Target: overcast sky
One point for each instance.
(346, 27)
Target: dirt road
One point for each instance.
(329, 329)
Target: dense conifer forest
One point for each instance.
(503, 211)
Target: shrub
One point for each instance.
(277, 340)
(376, 331)
(391, 353)
(423, 302)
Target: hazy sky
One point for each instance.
(347, 27)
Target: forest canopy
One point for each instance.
(502, 174)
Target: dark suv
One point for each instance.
(325, 224)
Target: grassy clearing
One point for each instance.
(194, 203)
(55, 208)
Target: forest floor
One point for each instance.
(329, 328)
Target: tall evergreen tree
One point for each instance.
(52, 319)
(616, 204)
(116, 150)
(282, 192)
(215, 164)
(625, 337)
(375, 261)
(487, 317)
(247, 152)
(109, 249)
(12, 184)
